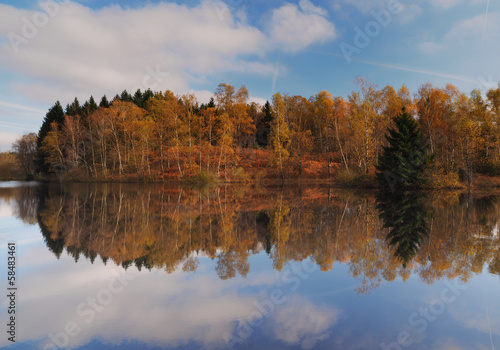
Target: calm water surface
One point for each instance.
(157, 267)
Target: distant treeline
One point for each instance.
(154, 135)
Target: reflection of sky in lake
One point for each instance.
(314, 309)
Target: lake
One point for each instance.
(137, 266)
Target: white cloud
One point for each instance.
(259, 100)
(204, 96)
(472, 28)
(7, 139)
(308, 8)
(304, 323)
(477, 32)
(294, 29)
(179, 307)
(6, 210)
(83, 51)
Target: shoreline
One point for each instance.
(358, 182)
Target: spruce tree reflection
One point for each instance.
(406, 217)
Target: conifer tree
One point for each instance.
(55, 114)
(74, 108)
(264, 125)
(406, 157)
(104, 102)
(126, 97)
(137, 99)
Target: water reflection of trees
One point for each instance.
(23, 200)
(404, 214)
(171, 228)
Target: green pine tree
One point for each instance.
(55, 114)
(406, 157)
(74, 108)
(104, 102)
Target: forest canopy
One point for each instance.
(154, 136)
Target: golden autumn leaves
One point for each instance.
(170, 137)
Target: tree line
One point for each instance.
(159, 135)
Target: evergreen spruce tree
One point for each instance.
(264, 125)
(126, 97)
(92, 104)
(104, 102)
(55, 114)
(406, 157)
(146, 96)
(74, 108)
(137, 99)
(89, 107)
(211, 104)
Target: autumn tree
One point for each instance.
(322, 105)
(72, 138)
(9, 166)
(225, 140)
(174, 136)
(190, 104)
(493, 96)
(341, 129)
(435, 117)
(280, 136)
(53, 150)
(208, 119)
(467, 133)
(99, 139)
(26, 153)
(493, 103)
(298, 119)
(234, 104)
(364, 109)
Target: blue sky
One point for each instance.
(55, 50)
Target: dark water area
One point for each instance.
(131, 266)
